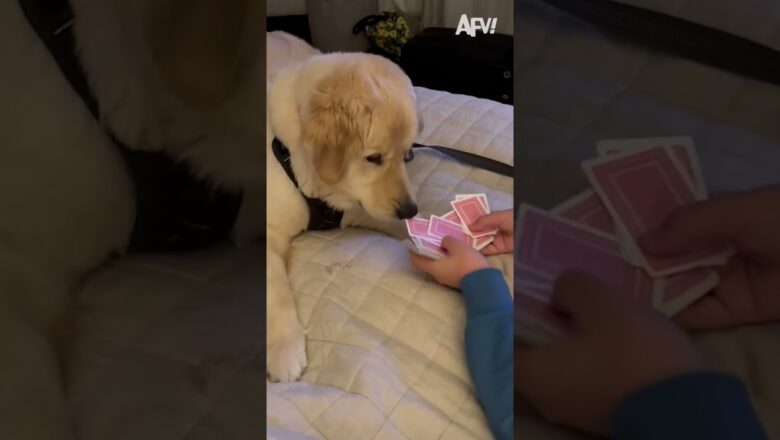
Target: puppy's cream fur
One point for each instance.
(348, 120)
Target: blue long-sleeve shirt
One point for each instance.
(705, 405)
(490, 346)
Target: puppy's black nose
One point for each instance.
(406, 210)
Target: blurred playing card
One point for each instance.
(636, 185)
(550, 245)
(682, 147)
(640, 191)
(586, 208)
(452, 217)
(681, 290)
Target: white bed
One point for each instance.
(169, 347)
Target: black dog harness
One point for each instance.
(321, 215)
(175, 211)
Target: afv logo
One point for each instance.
(470, 27)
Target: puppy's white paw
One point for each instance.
(286, 355)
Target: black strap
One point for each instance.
(472, 159)
(174, 210)
(322, 216)
(681, 37)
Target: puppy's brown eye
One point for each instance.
(376, 159)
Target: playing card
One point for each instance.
(417, 227)
(440, 228)
(641, 190)
(480, 243)
(550, 245)
(427, 248)
(470, 210)
(482, 198)
(682, 147)
(681, 290)
(451, 216)
(586, 208)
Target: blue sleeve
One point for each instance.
(490, 346)
(704, 405)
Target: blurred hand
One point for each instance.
(504, 240)
(459, 261)
(749, 291)
(616, 347)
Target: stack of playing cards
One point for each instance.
(427, 234)
(636, 185)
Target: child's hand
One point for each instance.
(459, 261)
(749, 291)
(505, 222)
(617, 347)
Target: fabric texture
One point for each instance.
(577, 85)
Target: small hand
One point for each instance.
(503, 241)
(749, 291)
(616, 347)
(460, 260)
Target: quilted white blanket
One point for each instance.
(168, 347)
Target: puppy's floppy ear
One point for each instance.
(202, 47)
(337, 117)
(327, 134)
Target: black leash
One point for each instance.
(683, 38)
(175, 211)
(472, 159)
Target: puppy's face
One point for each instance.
(358, 125)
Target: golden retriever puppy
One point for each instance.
(347, 120)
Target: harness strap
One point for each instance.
(322, 216)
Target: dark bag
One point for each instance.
(480, 66)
